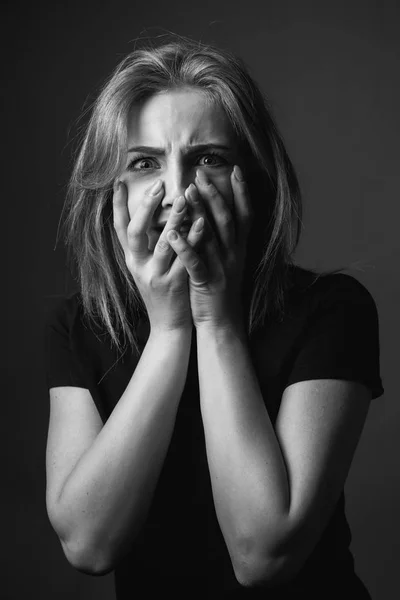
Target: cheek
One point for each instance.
(135, 195)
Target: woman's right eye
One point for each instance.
(141, 159)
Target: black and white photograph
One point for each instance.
(202, 296)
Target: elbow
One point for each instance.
(87, 559)
(267, 573)
(92, 558)
(257, 565)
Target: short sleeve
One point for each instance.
(61, 365)
(341, 339)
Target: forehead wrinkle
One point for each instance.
(177, 130)
(180, 137)
(165, 121)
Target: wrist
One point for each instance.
(171, 332)
(221, 330)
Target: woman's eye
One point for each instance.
(214, 157)
(142, 164)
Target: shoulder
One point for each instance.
(344, 293)
(343, 283)
(320, 291)
(337, 334)
(334, 306)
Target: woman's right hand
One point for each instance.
(162, 285)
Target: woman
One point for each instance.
(207, 395)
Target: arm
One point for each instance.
(99, 507)
(101, 480)
(274, 490)
(274, 487)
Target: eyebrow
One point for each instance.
(191, 149)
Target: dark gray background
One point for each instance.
(331, 72)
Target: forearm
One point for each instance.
(105, 499)
(247, 469)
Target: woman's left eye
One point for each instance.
(214, 157)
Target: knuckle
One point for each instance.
(196, 263)
(153, 282)
(133, 230)
(186, 251)
(212, 190)
(163, 246)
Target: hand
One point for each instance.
(162, 285)
(215, 279)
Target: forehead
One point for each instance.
(178, 116)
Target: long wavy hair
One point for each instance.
(108, 291)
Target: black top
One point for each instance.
(330, 330)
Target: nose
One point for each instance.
(176, 180)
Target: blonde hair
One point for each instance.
(109, 293)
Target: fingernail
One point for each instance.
(201, 176)
(117, 185)
(198, 226)
(172, 235)
(179, 204)
(238, 173)
(192, 190)
(156, 187)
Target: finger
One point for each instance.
(195, 267)
(196, 232)
(222, 214)
(207, 239)
(197, 212)
(194, 236)
(121, 214)
(163, 252)
(140, 222)
(243, 209)
(194, 201)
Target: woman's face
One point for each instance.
(170, 136)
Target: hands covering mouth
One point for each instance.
(183, 229)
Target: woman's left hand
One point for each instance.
(215, 279)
